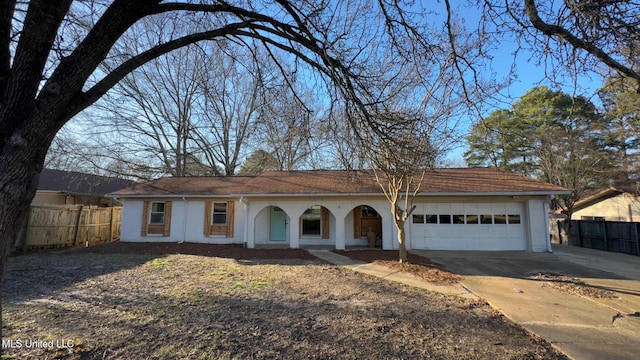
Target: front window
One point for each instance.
(219, 213)
(369, 212)
(311, 221)
(157, 213)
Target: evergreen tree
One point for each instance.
(549, 135)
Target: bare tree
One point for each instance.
(290, 130)
(572, 37)
(66, 153)
(400, 161)
(188, 112)
(152, 112)
(230, 106)
(345, 152)
(53, 55)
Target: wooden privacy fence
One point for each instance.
(70, 225)
(616, 236)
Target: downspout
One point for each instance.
(546, 224)
(184, 222)
(246, 221)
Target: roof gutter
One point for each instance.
(177, 196)
(438, 194)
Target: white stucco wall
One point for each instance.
(341, 220)
(187, 219)
(187, 223)
(537, 225)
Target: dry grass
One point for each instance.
(136, 306)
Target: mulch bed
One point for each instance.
(230, 251)
(417, 265)
(376, 254)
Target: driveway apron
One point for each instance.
(598, 319)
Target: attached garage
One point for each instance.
(469, 226)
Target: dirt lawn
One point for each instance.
(213, 304)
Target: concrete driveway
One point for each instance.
(599, 319)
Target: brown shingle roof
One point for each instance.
(217, 185)
(437, 181)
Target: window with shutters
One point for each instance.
(219, 213)
(218, 218)
(156, 216)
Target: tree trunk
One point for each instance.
(19, 175)
(22, 155)
(398, 220)
(402, 248)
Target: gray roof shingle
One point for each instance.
(76, 183)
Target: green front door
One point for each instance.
(277, 224)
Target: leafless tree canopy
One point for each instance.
(571, 37)
(58, 57)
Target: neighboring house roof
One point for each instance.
(75, 183)
(603, 194)
(466, 181)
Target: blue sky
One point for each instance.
(529, 72)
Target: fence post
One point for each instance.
(76, 230)
(578, 226)
(111, 223)
(606, 245)
(635, 228)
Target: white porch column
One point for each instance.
(249, 226)
(294, 232)
(340, 235)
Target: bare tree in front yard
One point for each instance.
(417, 123)
(400, 160)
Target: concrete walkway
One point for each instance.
(582, 327)
(388, 274)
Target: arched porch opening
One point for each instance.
(271, 226)
(366, 224)
(317, 226)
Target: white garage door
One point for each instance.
(484, 226)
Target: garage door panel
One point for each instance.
(499, 234)
(457, 208)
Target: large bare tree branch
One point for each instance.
(82, 101)
(577, 42)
